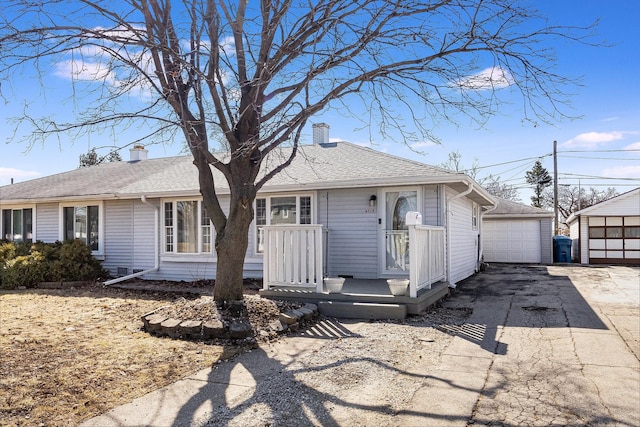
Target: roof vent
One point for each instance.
(138, 152)
(320, 134)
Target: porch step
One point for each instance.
(362, 310)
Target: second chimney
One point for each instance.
(138, 152)
(320, 134)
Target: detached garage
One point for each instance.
(608, 232)
(517, 233)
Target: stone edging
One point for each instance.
(161, 325)
(62, 284)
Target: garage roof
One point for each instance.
(509, 209)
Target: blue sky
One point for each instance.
(597, 149)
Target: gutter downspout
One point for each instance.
(448, 212)
(156, 267)
(481, 225)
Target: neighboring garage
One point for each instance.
(517, 233)
(608, 232)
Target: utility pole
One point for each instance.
(555, 187)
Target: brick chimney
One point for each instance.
(138, 152)
(320, 134)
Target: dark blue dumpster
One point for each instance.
(561, 249)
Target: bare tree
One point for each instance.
(92, 158)
(494, 185)
(491, 183)
(454, 163)
(255, 72)
(574, 198)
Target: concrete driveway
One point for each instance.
(544, 345)
(561, 346)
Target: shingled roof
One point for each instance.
(336, 165)
(506, 208)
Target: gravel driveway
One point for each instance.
(360, 374)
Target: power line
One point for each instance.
(569, 151)
(598, 177)
(563, 151)
(516, 181)
(599, 151)
(515, 161)
(600, 158)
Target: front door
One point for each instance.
(396, 232)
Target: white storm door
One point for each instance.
(395, 234)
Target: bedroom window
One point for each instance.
(280, 210)
(187, 227)
(17, 225)
(83, 223)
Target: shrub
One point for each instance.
(27, 265)
(75, 262)
(7, 251)
(24, 270)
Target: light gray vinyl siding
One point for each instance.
(144, 234)
(47, 222)
(624, 205)
(463, 239)
(574, 234)
(129, 236)
(432, 206)
(583, 239)
(546, 242)
(352, 232)
(118, 239)
(175, 270)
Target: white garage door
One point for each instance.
(511, 241)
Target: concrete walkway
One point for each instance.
(556, 345)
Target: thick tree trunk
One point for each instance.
(232, 239)
(231, 248)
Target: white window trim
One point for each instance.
(185, 256)
(33, 218)
(101, 236)
(475, 216)
(253, 241)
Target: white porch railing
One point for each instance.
(293, 256)
(426, 257)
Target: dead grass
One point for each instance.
(68, 355)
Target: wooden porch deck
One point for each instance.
(362, 299)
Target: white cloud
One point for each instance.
(122, 33)
(423, 144)
(228, 46)
(593, 139)
(94, 63)
(83, 70)
(610, 119)
(634, 146)
(489, 78)
(622, 172)
(6, 174)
